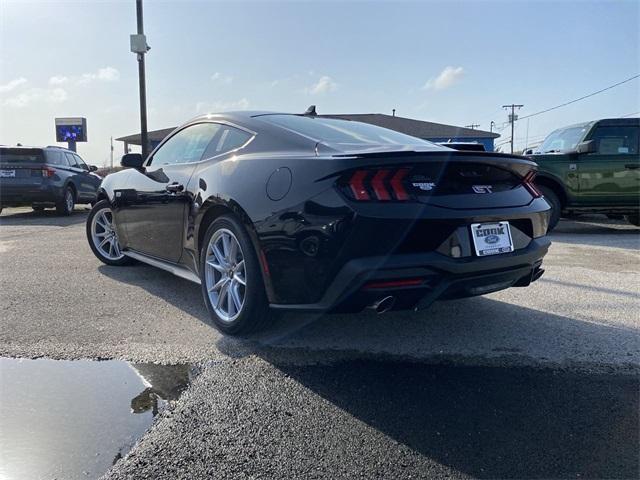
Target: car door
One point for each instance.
(155, 201)
(87, 182)
(611, 175)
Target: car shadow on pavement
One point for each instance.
(491, 422)
(45, 217)
(598, 232)
(451, 382)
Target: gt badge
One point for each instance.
(424, 185)
(482, 188)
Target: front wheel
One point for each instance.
(102, 236)
(633, 219)
(232, 283)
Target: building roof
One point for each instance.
(416, 128)
(408, 126)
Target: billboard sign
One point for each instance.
(71, 129)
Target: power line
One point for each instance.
(630, 114)
(581, 98)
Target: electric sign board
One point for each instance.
(71, 129)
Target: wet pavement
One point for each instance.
(75, 419)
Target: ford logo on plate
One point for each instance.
(492, 239)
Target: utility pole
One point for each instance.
(139, 47)
(111, 152)
(512, 118)
(472, 126)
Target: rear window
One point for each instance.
(21, 155)
(345, 132)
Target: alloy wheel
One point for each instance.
(104, 236)
(225, 275)
(68, 198)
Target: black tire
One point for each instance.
(37, 208)
(124, 260)
(65, 205)
(556, 207)
(254, 313)
(633, 219)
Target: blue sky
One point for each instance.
(449, 62)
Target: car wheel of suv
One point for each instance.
(232, 283)
(556, 207)
(633, 219)
(66, 204)
(103, 238)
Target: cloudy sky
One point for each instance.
(447, 62)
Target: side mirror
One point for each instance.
(133, 160)
(587, 147)
(92, 168)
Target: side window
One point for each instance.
(80, 163)
(56, 158)
(70, 160)
(616, 140)
(229, 139)
(187, 145)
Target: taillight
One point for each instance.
(383, 185)
(527, 181)
(48, 172)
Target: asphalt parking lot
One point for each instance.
(525, 383)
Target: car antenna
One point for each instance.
(311, 111)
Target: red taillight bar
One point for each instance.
(383, 185)
(378, 185)
(397, 186)
(527, 181)
(356, 183)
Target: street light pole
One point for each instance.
(139, 47)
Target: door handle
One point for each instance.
(175, 187)
(632, 166)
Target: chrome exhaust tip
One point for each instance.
(384, 304)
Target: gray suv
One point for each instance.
(45, 177)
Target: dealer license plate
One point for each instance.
(7, 173)
(491, 238)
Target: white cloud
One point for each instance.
(48, 95)
(7, 87)
(106, 74)
(323, 85)
(221, 106)
(220, 78)
(58, 80)
(446, 78)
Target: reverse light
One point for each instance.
(527, 181)
(46, 172)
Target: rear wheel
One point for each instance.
(232, 283)
(633, 219)
(65, 205)
(556, 207)
(102, 236)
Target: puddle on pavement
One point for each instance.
(75, 419)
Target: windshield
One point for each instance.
(335, 131)
(563, 139)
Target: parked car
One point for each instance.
(45, 177)
(592, 167)
(273, 212)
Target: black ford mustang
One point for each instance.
(276, 212)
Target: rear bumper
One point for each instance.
(18, 195)
(441, 277)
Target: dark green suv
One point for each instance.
(592, 167)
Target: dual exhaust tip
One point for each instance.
(383, 304)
